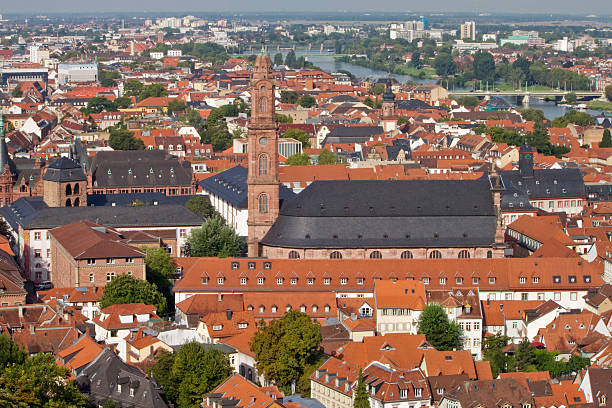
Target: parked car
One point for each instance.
(44, 285)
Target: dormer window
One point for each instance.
(220, 281)
(403, 393)
(267, 265)
(235, 265)
(217, 327)
(418, 392)
(602, 400)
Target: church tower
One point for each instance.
(389, 119)
(263, 181)
(6, 170)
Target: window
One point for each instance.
(556, 279)
(294, 255)
(572, 279)
(261, 309)
(335, 255)
(91, 277)
(205, 281)
(220, 281)
(375, 255)
(263, 203)
(403, 393)
(251, 265)
(476, 326)
(326, 281)
(535, 279)
(262, 105)
(459, 281)
(242, 325)
(343, 281)
(303, 309)
(587, 278)
(360, 281)
(263, 165)
(475, 280)
(310, 281)
(522, 280)
(468, 326)
(464, 254)
(514, 325)
(243, 281)
(573, 296)
(267, 265)
(426, 281)
(235, 265)
(129, 260)
(131, 392)
(557, 295)
(524, 296)
(326, 308)
(602, 400)
(315, 308)
(110, 276)
(489, 254)
(406, 255)
(492, 280)
(418, 392)
(37, 253)
(110, 260)
(442, 281)
(279, 281)
(435, 254)
(217, 327)
(274, 309)
(260, 281)
(294, 281)
(37, 236)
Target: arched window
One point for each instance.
(464, 254)
(263, 165)
(68, 189)
(76, 188)
(294, 255)
(262, 88)
(263, 203)
(375, 255)
(263, 105)
(68, 203)
(77, 202)
(489, 254)
(435, 254)
(335, 255)
(406, 255)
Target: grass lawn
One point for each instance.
(599, 105)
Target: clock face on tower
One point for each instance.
(528, 156)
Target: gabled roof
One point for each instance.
(79, 354)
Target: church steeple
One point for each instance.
(4, 157)
(263, 181)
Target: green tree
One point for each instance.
(439, 331)
(493, 352)
(468, 101)
(107, 78)
(98, 104)
(17, 92)
(415, 59)
(362, 400)
(575, 117)
(291, 60)
(606, 141)
(193, 371)
(444, 64)
(298, 159)
(484, 66)
(214, 238)
(123, 139)
(307, 101)
(327, 157)
(200, 369)
(176, 105)
(284, 348)
(10, 352)
(152, 91)
(525, 356)
(378, 89)
(201, 206)
(300, 135)
(608, 92)
(283, 118)
(289, 97)
(127, 289)
(132, 88)
(533, 115)
(278, 59)
(40, 382)
(571, 98)
(123, 102)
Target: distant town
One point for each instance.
(341, 210)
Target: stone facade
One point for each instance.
(385, 253)
(65, 194)
(263, 180)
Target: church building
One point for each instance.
(362, 219)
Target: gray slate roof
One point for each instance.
(33, 213)
(100, 380)
(230, 185)
(387, 214)
(550, 183)
(64, 170)
(139, 168)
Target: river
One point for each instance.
(328, 63)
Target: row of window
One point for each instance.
(435, 254)
(303, 308)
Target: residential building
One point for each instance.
(467, 30)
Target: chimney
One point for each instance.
(228, 314)
(32, 329)
(219, 297)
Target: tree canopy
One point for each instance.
(127, 289)
(444, 64)
(439, 331)
(362, 400)
(606, 140)
(575, 117)
(200, 205)
(298, 159)
(288, 349)
(123, 139)
(307, 101)
(214, 238)
(192, 372)
(300, 135)
(327, 157)
(608, 92)
(484, 66)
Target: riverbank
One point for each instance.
(394, 68)
(599, 105)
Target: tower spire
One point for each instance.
(263, 46)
